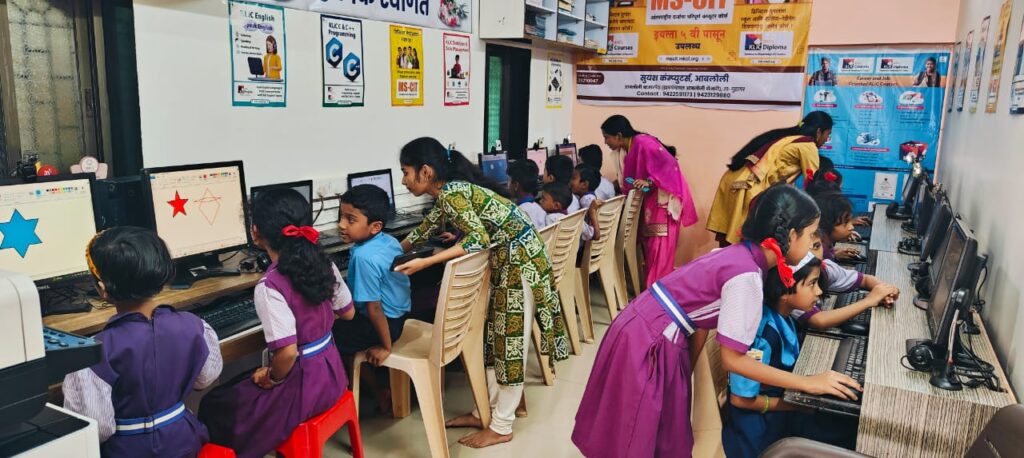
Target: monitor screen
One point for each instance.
(938, 227)
(495, 166)
(45, 227)
(908, 188)
(378, 178)
(539, 157)
(302, 187)
(568, 149)
(952, 256)
(923, 211)
(198, 209)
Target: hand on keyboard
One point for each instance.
(883, 294)
(833, 383)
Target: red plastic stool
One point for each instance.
(309, 438)
(210, 450)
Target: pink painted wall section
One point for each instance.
(707, 138)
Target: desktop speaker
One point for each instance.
(118, 202)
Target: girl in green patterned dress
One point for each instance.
(522, 285)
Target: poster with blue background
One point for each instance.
(886, 103)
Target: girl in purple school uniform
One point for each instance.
(297, 301)
(637, 401)
(153, 355)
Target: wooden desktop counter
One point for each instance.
(902, 414)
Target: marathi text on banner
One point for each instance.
(886, 104)
(258, 76)
(341, 42)
(456, 69)
(454, 15)
(700, 51)
(406, 66)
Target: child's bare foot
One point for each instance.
(521, 410)
(485, 438)
(464, 421)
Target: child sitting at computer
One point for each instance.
(558, 169)
(837, 226)
(757, 414)
(381, 295)
(554, 199)
(297, 301)
(592, 156)
(840, 280)
(523, 185)
(152, 354)
(583, 184)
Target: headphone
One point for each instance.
(921, 356)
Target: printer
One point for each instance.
(32, 358)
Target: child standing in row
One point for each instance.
(131, 265)
(297, 301)
(592, 156)
(637, 401)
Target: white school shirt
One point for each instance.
(605, 190)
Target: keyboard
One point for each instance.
(858, 325)
(229, 316)
(850, 359)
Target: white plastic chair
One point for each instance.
(424, 349)
(626, 244)
(599, 257)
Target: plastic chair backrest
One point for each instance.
(566, 243)
(630, 220)
(547, 235)
(461, 305)
(608, 216)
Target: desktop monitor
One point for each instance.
(942, 216)
(304, 187)
(45, 227)
(495, 166)
(198, 209)
(923, 210)
(539, 156)
(379, 178)
(956, 272)
(569, 149)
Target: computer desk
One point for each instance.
(901, 413)
(885, 233)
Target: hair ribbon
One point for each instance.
(785, 272)
(829, 176)
(306, 232)
(88, 256)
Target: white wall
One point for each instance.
(185, 97)
(982, 160)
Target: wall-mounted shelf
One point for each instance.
(545, 23)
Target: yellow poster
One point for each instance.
(998, 49)
(406, 66)
(735, 52)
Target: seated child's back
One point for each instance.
(523, 185)
(592, 156)
(153, 355)
(559, 169)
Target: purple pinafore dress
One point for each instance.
(254, 421)
(637, 401)
(151, 367)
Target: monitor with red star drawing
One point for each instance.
(198, 209)
(45, 227)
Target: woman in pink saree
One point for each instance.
(651, 166)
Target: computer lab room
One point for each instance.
(511, 228)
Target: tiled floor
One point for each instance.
(544, 433)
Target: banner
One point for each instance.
(341, 44)
(1017, 87)
(998, 49)
(456, 69)
(886, 104)
(453, 15)
(555, 81)
(406, 67)
(965, 66)
(951, 83)
(257, 55)
(979, 63)
(699, 52)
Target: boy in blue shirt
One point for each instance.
(381, 295)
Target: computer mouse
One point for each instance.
(857, 329)
(858, 259)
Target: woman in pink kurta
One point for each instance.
(651, 166)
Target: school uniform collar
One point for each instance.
(526, 200)
(758, 256)
(371, 239)
(136, 316)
